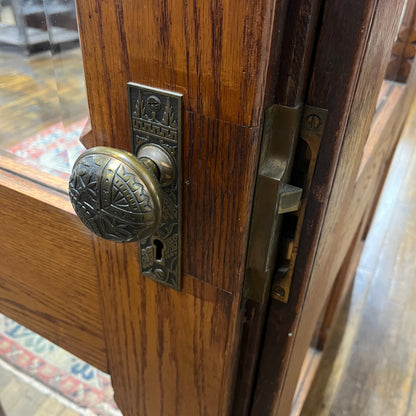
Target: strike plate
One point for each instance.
(312, 126)
(156, 118)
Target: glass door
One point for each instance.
(43, 114)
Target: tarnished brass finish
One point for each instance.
(289, 199)
(273, 197)
(126, 197)
(165, 163)
(311, 130)
(279, 206)
(115, 194)
(156, 134)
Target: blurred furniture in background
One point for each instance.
(37, 25)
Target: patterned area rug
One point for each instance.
(54, 150)
(57, 369)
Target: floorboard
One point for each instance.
(19, 397)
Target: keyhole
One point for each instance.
(158, 249)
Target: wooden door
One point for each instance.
(195, 351)
(363, 75)
(168, 352)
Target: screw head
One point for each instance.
(279, 291)
(313, 121)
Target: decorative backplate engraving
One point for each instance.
(156, 118)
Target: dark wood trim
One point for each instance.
(297, 40)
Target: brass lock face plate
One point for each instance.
(156, 118)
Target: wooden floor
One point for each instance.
(370, 370)
(20, 398)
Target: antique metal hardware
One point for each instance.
(115, 194)
(156, 119)
(125, 197)
(311, 129)
(289, 200)
(273, 197)
(279, 205)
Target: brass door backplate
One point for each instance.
(156, 119)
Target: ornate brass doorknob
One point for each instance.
(116, 194)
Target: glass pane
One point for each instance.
(42, 89)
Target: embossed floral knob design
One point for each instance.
(116, 194)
